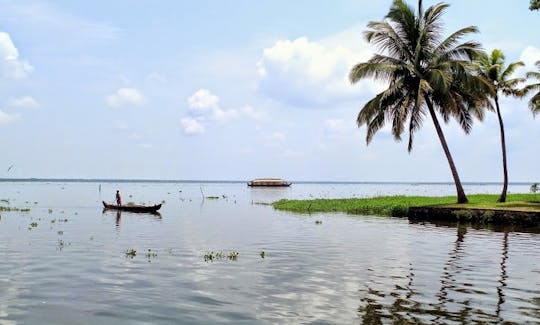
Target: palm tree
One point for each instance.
(534, 103)
(492, 69)
(426, 74)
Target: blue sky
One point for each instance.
(231, 90)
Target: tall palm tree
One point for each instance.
(426, 74)
(534, 103)
(493, 70)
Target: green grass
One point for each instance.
(398, 206)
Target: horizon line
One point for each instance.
(148, 180)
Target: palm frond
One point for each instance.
(511, 69)
(452, 40)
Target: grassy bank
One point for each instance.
(398, 206)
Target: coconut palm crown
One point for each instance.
(534, 102)
(492, 69)
(425, 73)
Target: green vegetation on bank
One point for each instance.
(398, 206)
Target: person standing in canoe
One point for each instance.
(118, 198)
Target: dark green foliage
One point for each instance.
(427, 75)
(535, 5)
(487, 217)
(463, 215)
(534, 102)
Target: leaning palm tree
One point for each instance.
(534, 103)
(493, 70)
(426, 74)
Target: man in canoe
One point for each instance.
(118, 198)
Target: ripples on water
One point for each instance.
(72, 268)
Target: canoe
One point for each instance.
(132, 208)
(269, 182)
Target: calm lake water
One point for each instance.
(65, 262)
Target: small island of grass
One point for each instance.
(519, 208)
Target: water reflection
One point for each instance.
(504, 276)
(154, 215)
(464, 294)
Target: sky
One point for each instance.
(233, 90)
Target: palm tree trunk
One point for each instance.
(461, 197)
(502, 198)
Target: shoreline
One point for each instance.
(505, 217)
(520, 209)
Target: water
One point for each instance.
(71, 266)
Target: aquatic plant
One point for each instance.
(318, 222)
(263, 254)
(130, 253)
(233, 256)
(34, 224)
(50, 211)
(150, 254)
(211, 256)
(9, 209)
(398, 206)
(260, 203)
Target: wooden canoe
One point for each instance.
(132, 208)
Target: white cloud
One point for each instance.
(204, 107)
(126, 97)
(191, 126)
(11, 67)
(25, 101)
(204, 103)
(529, 56)
(203, 100)
(305, 73)
(7, 118)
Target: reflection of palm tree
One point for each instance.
(447, 279)
(504, 276)
(426, 75)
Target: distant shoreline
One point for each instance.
(99, 180)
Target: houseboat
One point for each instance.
(268, 182)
